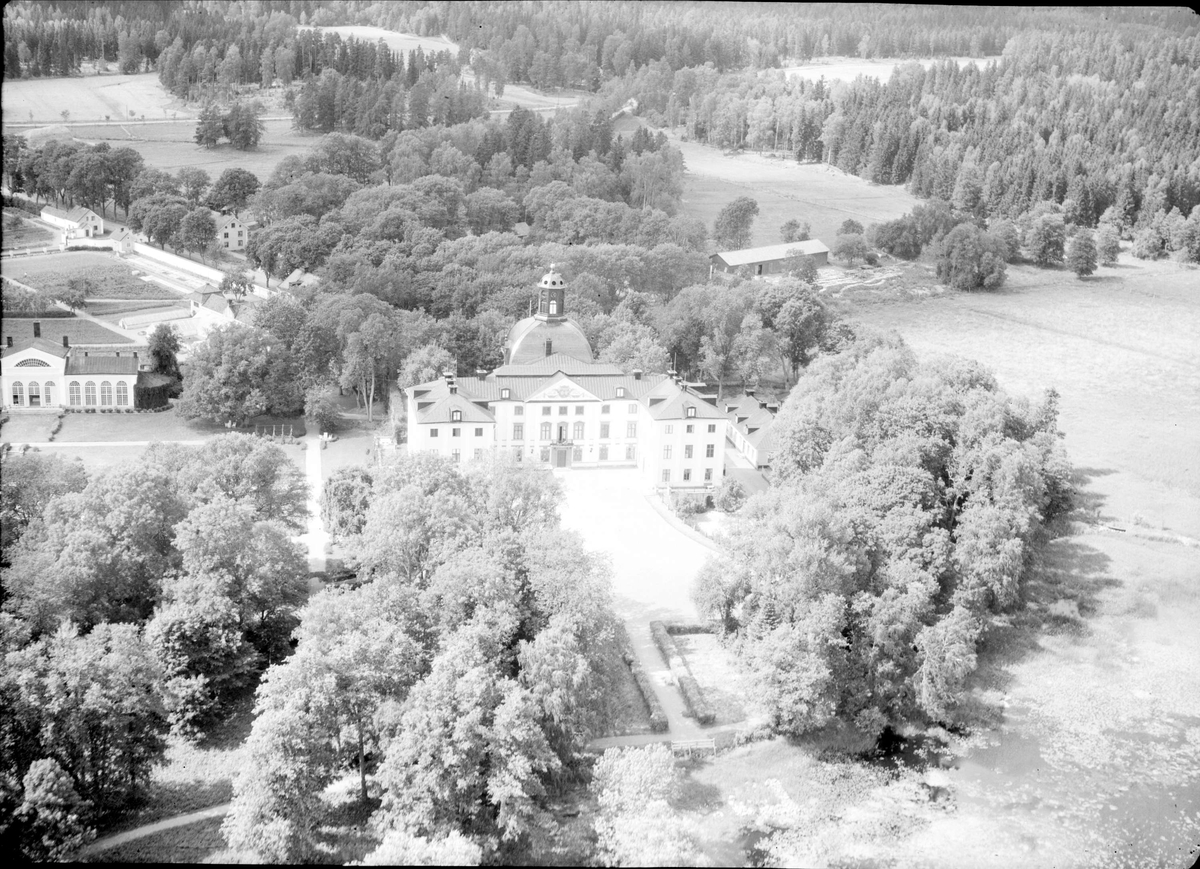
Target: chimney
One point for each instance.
(453, 388)
(549, 347)
(118, 354)
(637, 374)
(37, 328)
(66, 340)
(85, 354)
(481, 372)
(8, 340)
(762, 404)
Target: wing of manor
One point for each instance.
(551, 404)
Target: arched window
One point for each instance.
(578, 431)
(122, 394)
(18, 393)
(105, 393)
(545, 431)
(554, 306)
(73, 393)
(89, 393)
(48, 392)
(35, 394)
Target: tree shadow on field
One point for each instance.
(1088, 503)
(1061, 594)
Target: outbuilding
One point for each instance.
(770, 260)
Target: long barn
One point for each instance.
(770, 260)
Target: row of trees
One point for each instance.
(912, 499)
(138, 600)
(464, 677)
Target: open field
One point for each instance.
(172, 145)
(87, 98)
(850, 68)
(1123, 350)
(820, 195)
(405, 42)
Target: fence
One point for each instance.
(273, 431)
(690, 747)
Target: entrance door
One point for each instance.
(560, 457)
(35, 394)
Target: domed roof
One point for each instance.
(552, 280)
(548, 331)
(527, 341)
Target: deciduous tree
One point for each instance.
(731, 231)
(238, 373)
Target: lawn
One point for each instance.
(820, 195)
(405, 42)
(113, 312)
(195, 843)
(718, 675)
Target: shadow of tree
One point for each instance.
(1061, 593)
(1088, 502)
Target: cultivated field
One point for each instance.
(111, 279)
(20, 231)
(820, 195)
(88, 98)
(850, 68)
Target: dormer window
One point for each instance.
(620, 392)
(456, 416)
(504, 393)
(691, 411)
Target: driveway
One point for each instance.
(653, 564)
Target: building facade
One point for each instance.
(39, 373)
(79, 222)
(553, 405)
(232, 234)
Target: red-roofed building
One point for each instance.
(552, 404)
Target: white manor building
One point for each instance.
(551, 404)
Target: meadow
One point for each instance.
(171, 145)
(850, 68)
(89, 97)
(820, 195)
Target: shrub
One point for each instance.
(677, 629)
(685, 504)
(730, 496)
(658, 718)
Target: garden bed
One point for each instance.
(693, 697)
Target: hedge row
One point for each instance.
(658, 718)
(676, 629)
(693, 697)
(23, 204)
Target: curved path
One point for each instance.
(156, 827)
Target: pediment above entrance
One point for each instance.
(563, 389)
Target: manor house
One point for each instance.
(550, 403)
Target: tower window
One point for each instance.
(553, 307)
